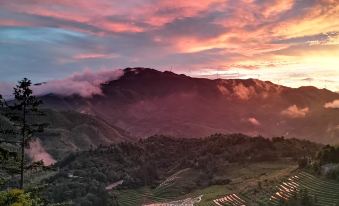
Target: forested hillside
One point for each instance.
(70, 131)
(82, 177)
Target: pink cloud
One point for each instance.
(12, 22)
(243, 92)
(95, 13)
(332, 105)
(295, 112)
(223, 90)
(254, 121)
(94, 56)
(86, 83)
(276, 7)
(119, 27)
(38, 153)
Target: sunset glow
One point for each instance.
(290, 42)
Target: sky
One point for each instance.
(290, 42)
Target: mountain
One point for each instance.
(70, 131)
(145, 102)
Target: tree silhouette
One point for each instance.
(21, 112)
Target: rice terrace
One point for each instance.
(325, 192)
(254, 184)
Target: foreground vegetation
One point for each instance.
(17, 197)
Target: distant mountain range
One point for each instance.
(146, 102)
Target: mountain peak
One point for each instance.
(141, 73)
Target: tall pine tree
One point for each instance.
(22, 113)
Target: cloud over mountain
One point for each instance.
(254, 121)
(332, 105)
(243, 92)
(38, 153)
(146, 102)
(295, 112)
(86, 83)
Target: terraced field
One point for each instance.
(171, 192)
(173, 185)
(286, 190)
(325, 191)
(232, 200)
(184, 202)
(146, 197)
(136, 197)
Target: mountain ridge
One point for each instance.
(146, 102)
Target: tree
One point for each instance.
(18, 197)
(21, 112)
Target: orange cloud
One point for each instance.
(277, 7)
(317, 19)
